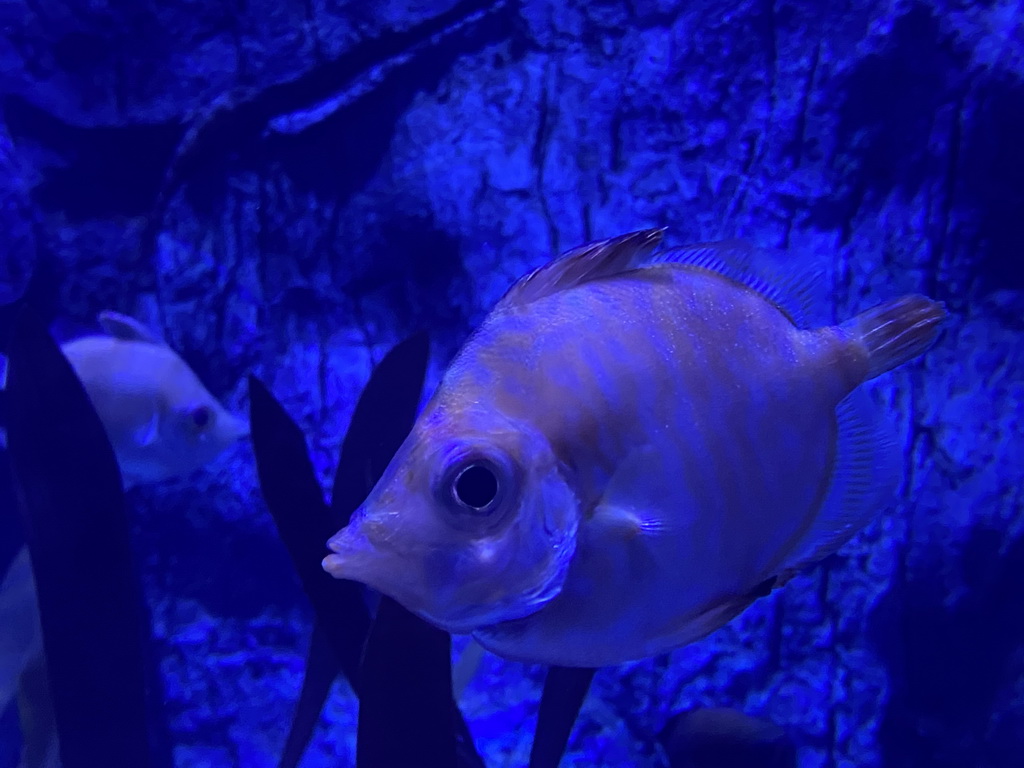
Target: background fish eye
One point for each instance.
(202, 417)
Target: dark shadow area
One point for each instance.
(337, 155)
(99, 171)
(41, 295)
(415, 268)
(233, 570)
(887, 104)
(103, 171)
(949, 665)
(993, 167)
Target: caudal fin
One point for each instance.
(897, 331)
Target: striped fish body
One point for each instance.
(708, 444)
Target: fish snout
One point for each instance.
(355, 557)
(238, 429)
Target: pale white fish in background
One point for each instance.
(162, 423)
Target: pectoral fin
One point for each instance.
(149, 432)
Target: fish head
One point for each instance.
(472, 523)
(190, 428)
(199, 429)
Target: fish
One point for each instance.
(632, 447)
(162, 423)
(719, 737)
(160, 419)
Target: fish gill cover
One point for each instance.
(878, 139)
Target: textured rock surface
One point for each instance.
(881, 139)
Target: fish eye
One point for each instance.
(201, 417)
(477, 484)
(475, 487)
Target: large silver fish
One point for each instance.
(630, 450)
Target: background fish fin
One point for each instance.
(866, 476)
(149, 432)
(793, 285)
(466, 666)
(581, 265)
(127, 328)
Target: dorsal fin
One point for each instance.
(126, 328)
(583, 264)
(794, 288)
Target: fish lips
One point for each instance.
(399, 575)
(356, 557)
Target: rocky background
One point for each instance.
(288, 187)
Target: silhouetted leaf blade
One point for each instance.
(382, 419)
(295, 500)
(406, 710)
(321, 669)
(565, 688)
(94, 619)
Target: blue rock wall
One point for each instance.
(330, 176)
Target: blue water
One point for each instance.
(288, 189)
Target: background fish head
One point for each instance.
(472, 523)
(161, 420)
(194, 427)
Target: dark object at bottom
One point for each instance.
(94, 620)
(725, 738)
(565, 688)
(407, 715)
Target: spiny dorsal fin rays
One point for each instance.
(583, 264)
(127, 328)
(793, 287)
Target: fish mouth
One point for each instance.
(352, 556)
(356, 558)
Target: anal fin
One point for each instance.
(865, 478)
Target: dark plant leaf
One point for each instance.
(94, 619)
(382, 419)
(406, 710)
(565, 688)
(321, 669)
(295, 500)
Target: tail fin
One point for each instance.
(897, 331)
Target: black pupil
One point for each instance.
(476, 486)
(201, 417)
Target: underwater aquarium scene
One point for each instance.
(511, 384)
